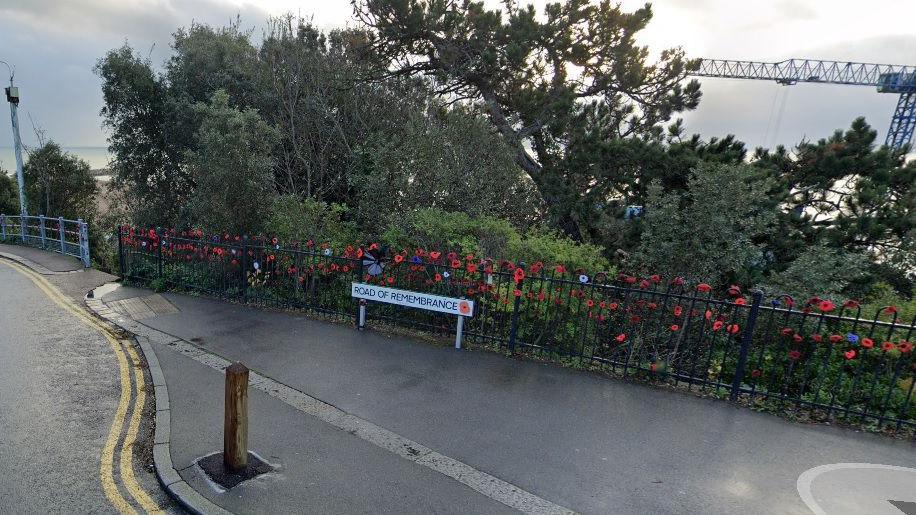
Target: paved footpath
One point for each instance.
(363, 422)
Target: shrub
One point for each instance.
(296, 220)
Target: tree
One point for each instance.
(9, 194)
(59, 183)
(146, 159)
(712, 232)
(232, 168)
(448, 160)
(575, 73)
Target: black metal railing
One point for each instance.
(832, 362)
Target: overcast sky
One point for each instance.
(54, 45)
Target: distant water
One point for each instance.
(97, 157)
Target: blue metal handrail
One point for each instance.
(68, 237)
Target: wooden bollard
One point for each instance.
(235, 432)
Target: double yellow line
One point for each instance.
(125, 360)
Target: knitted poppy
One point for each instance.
(826, 306)
(718, 324)
(904, 347)
(835, 338)
(560, 269)
(678, 310)
(786, 331)
(868, 343)
(656, 278)
(674, 327)
(733, 328)
(850, 354)
(888, 346)
(756, 373)
(519, 274)
(794, 355)
(704, 288)
(621, 337)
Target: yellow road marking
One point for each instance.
(107, 459)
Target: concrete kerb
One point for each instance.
(35, 266)
(168, 476)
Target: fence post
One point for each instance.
(62, 233)
(746, 338)
(235, 421)
(244, 274)
(84, 242)
(22, 228)
(41, 230)
(3, 226)
(513, 330)
(159, 252)
(120, 234)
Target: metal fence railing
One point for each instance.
(831, 361)
(69, 237)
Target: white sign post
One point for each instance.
(412, 299)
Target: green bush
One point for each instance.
(490, 237)
(295, 220)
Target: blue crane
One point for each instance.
(888, 78)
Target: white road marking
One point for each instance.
(806, 479)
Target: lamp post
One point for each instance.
(12, 96)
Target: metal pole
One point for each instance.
(62, 234)
(458, 332)
(84, 242)
(362, 314)
(12, 96)
(3, 227)
(746, 340)
(41, 228)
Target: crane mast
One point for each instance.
(887, 78)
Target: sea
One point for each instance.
(97, 157)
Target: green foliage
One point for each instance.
(59, 184)
(9, 194)
(232, 168)
(492, 237)
(450, 161)
(293, 220)
(819, 270)
(710, 232)
(518, 64)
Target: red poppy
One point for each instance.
(456, 264)
(718, 324)
(835, 338)
(708, 314)
(519, 274)
(541, 296)
(890, 310)
(704, 288)
(740, 301)
(656, 278)
(635, 319)
(434, 255)
(786, 331)
(613, 306)
(518, 293)
(734, 290)
(271, 257)
(274, 240)
(826, 306)
(850, 304)
(678, 310)
(678, 281)
(733, 328)
(651, 305)
(471, 268)
(390, 280)
(868, 343)
(590, 303)
(850, 354)
(817, 338)
(437, 277)
(653, 367)
(888, 346)
(469, 257)
(629, 279)
(675, 327)
(397, 258)
(560, 269)
(374, 246)
(756, 373)
(622, 337)
(797, 338)
(905, 347)
(794, 355)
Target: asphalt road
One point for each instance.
(60, 389)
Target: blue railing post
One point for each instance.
(3, 227)
(63, 234)
(22, 226)
(41, 230)
(84, 242)
(746, 339)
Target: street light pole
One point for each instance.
(12, 96)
